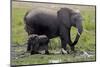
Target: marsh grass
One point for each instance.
(85, 43)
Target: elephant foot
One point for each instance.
(63, 51)
(28, 50)
(47, 52)
(72, 48)
(33, 52)
(41, 52)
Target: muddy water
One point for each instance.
(20, 52)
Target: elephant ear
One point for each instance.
(64, 17)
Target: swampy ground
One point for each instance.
(85, 48)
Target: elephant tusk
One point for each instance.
(79, 34)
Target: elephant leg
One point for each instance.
(64, 36)
(46, 50)
(68, 40)
(72, 47)
(45, 47)
(63, 46)
(29, 46)
(34, 48)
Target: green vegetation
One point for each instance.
(86, 42)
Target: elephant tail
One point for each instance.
(25, 16)
(27, 27)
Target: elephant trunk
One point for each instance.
(80, 30)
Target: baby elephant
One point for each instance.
(38, 44)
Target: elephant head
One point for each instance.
(69, 18)
(43, 44)
(33, 43)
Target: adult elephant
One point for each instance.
(53, 24)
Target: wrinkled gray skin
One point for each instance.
(38, 44)
(53, 25)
